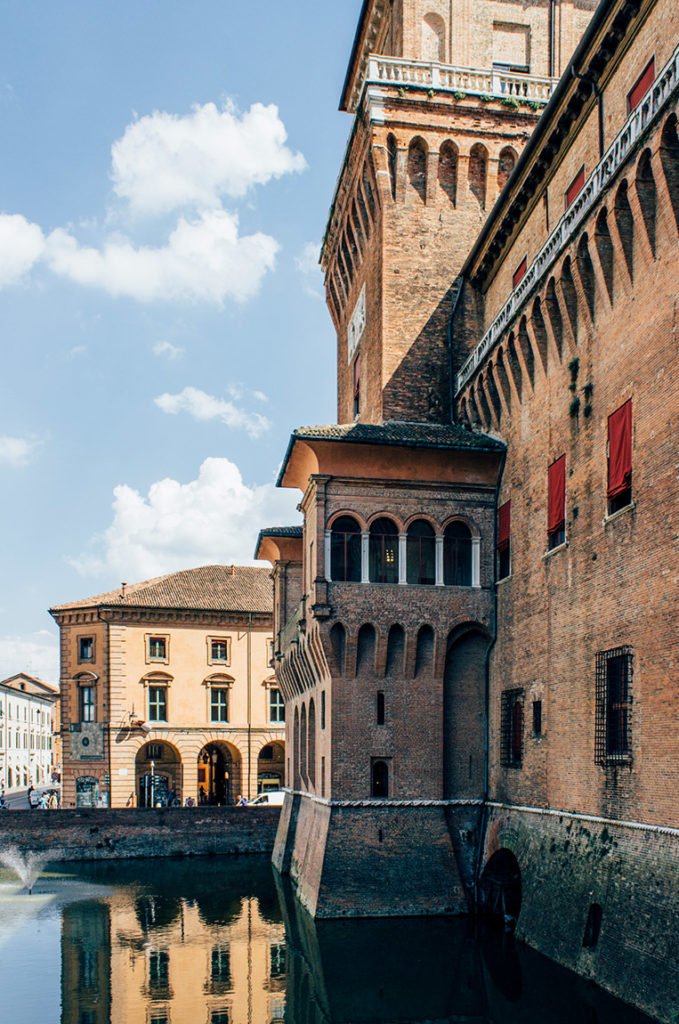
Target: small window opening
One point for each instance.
(592, 926)
(380, 779)
(537, 719)
(380, 708)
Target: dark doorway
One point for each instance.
(380, 779)
(500, 890)
(214, 776)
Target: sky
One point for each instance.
(166, 174)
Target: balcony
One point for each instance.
(445, 78)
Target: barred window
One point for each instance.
(613, 705)
(512, 728)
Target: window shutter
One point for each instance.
(556, 495)
(575, 186)
(641, 87)
(504, 517)
(620, 449)
(520, 272)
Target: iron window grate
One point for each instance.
(511, 728)
(613, 737)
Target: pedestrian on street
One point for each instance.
(29, 794)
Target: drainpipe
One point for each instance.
(249, 656)
(107, 731)
(552, 30)
(486, 711)
(589, 78)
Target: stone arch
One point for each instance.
(396, 644)
(515, 365)
(495, 402)
(220, 773)
(433, 38)
(448, 167)
(417, 166)
(304, 746)
(648, 196)
(604, 248)
(502, 377)
(392, 162)
(270, 765)
(424, 649)
(478, 173)
(158, 773)
(500, 888)
(570, 296)
(464, 725)
(483, 401)
(669, 159)
(505, 165)
(368, 189)
(527, 350)
(296, 753)
(363, 211)
(554, 314)
(365, 649)
(624, 221)
(539, 331)
(338, 642)
(586, 272)
(312, 742)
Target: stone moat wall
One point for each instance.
(110, 834)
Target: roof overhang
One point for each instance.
(280, 545)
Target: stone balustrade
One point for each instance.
(493, 83)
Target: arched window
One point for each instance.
(421, 553)
(417, 167)
(457, 556)
(365, 649)
(647, 193)
(303, 743)
(392, 158)
(433, 38)
(383, 551)
(448, 170)
(478, 173)
(396, 642)
(312, 742)
(338, 639)
(669, 157)
(380, 779)
(345, 550)
(505, 165)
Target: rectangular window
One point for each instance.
(520, 272)
(380, 708)
(322, 709)
(641, 86)
(575, 187)
(219, 704)
(620, 458)
(86, 648)
(220, 650)
(219, 1017)
(276, 705)
(357, 385)
(277, 960)
(504, 533)
(556, 503)
(154, 752)
(157, 704)
(537, 719)
(512, 728)
(159, 970)
(220, 969)
(613, 705)
(87, 707)
(157, 646)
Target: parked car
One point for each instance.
(272, 798)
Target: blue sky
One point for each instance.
(166, 174)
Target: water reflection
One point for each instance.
(217, 942)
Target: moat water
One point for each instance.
(215, 941)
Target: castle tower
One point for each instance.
(384, 601)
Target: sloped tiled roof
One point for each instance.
(282, 531)
(232, 588)
(36, 687)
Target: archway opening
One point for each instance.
(500, 889)
(219, 775)
(158, 775)
(270, 767)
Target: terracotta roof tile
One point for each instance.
(233, 588)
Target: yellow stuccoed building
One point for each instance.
(167, 694)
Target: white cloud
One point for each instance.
(21, 245)
(167, 349)
(308, 266)
(205, 260)
(76, 351)
(202, 406)
(214, 519)
(16, 451)
(165, 162)
(35, 653)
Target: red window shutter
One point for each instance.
(620, 449)
(520, 271)
(556, 495)
(575, 186)
(641, 86)
(504, 517)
